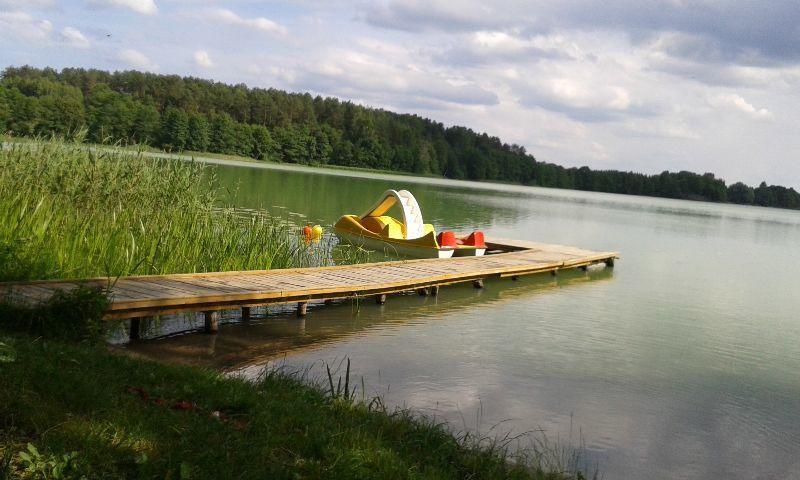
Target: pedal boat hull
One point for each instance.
(350, 230)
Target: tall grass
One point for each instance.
(67, 211)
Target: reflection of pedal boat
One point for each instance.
(411, 237)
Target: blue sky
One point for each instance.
(631, 85)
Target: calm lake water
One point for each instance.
(681, 362)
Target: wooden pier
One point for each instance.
(138, 297)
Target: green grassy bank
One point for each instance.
(89, 413)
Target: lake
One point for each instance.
(681, 362)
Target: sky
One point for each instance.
(705, 86)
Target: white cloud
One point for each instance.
(377, 77)
(136, 59)
(258, 23)
(74, 37)
(484, 47)
(430, 15)
(575, 93)
(731, 100)
(145, 7)
(202, 59)
(21, 25)
(17, 4)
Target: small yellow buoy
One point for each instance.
(316, 232)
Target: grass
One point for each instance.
(67, 211)
(74, 316)
(101, 415)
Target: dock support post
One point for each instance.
(435, 290)
(477, 283)
(514, 278)
(584, 267)
(212, 321)
(423, 292)
(554, 272)
(610, 262)
(135, 329)
(380, 299)
(301, 309)
(245, 314)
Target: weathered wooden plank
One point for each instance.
(139, 296)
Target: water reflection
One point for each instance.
(276, 331)
(685, 365)
(324, 201)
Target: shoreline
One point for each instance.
(143, 419)
(362, 172)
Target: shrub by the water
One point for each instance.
(75, 315)
(67, 211)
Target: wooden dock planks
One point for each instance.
(139, 296)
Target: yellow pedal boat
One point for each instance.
(410, 237)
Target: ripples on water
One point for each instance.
(683, 362)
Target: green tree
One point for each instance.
(61, 111)
(292, 144)
(199, 133)
(264, 147)
(425, 159)
(243, 139)
(320, 148)
(343, 154)
(146, 124)
(222, 139)
(741, 193)
(764, 196)
(5, 111)
(370, 153)
(110, 114)
(174, 129)
(24, 113)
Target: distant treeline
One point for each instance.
(175, 113)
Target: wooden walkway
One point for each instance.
(144, 296)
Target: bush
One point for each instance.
(75, 315)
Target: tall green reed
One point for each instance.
(68, 211)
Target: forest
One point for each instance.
(177, 114)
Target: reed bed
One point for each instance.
(68, 211)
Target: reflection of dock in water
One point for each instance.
(141, 297)
(243, 344)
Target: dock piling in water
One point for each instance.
(302, 308)
(212, 321)
(135, 329)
